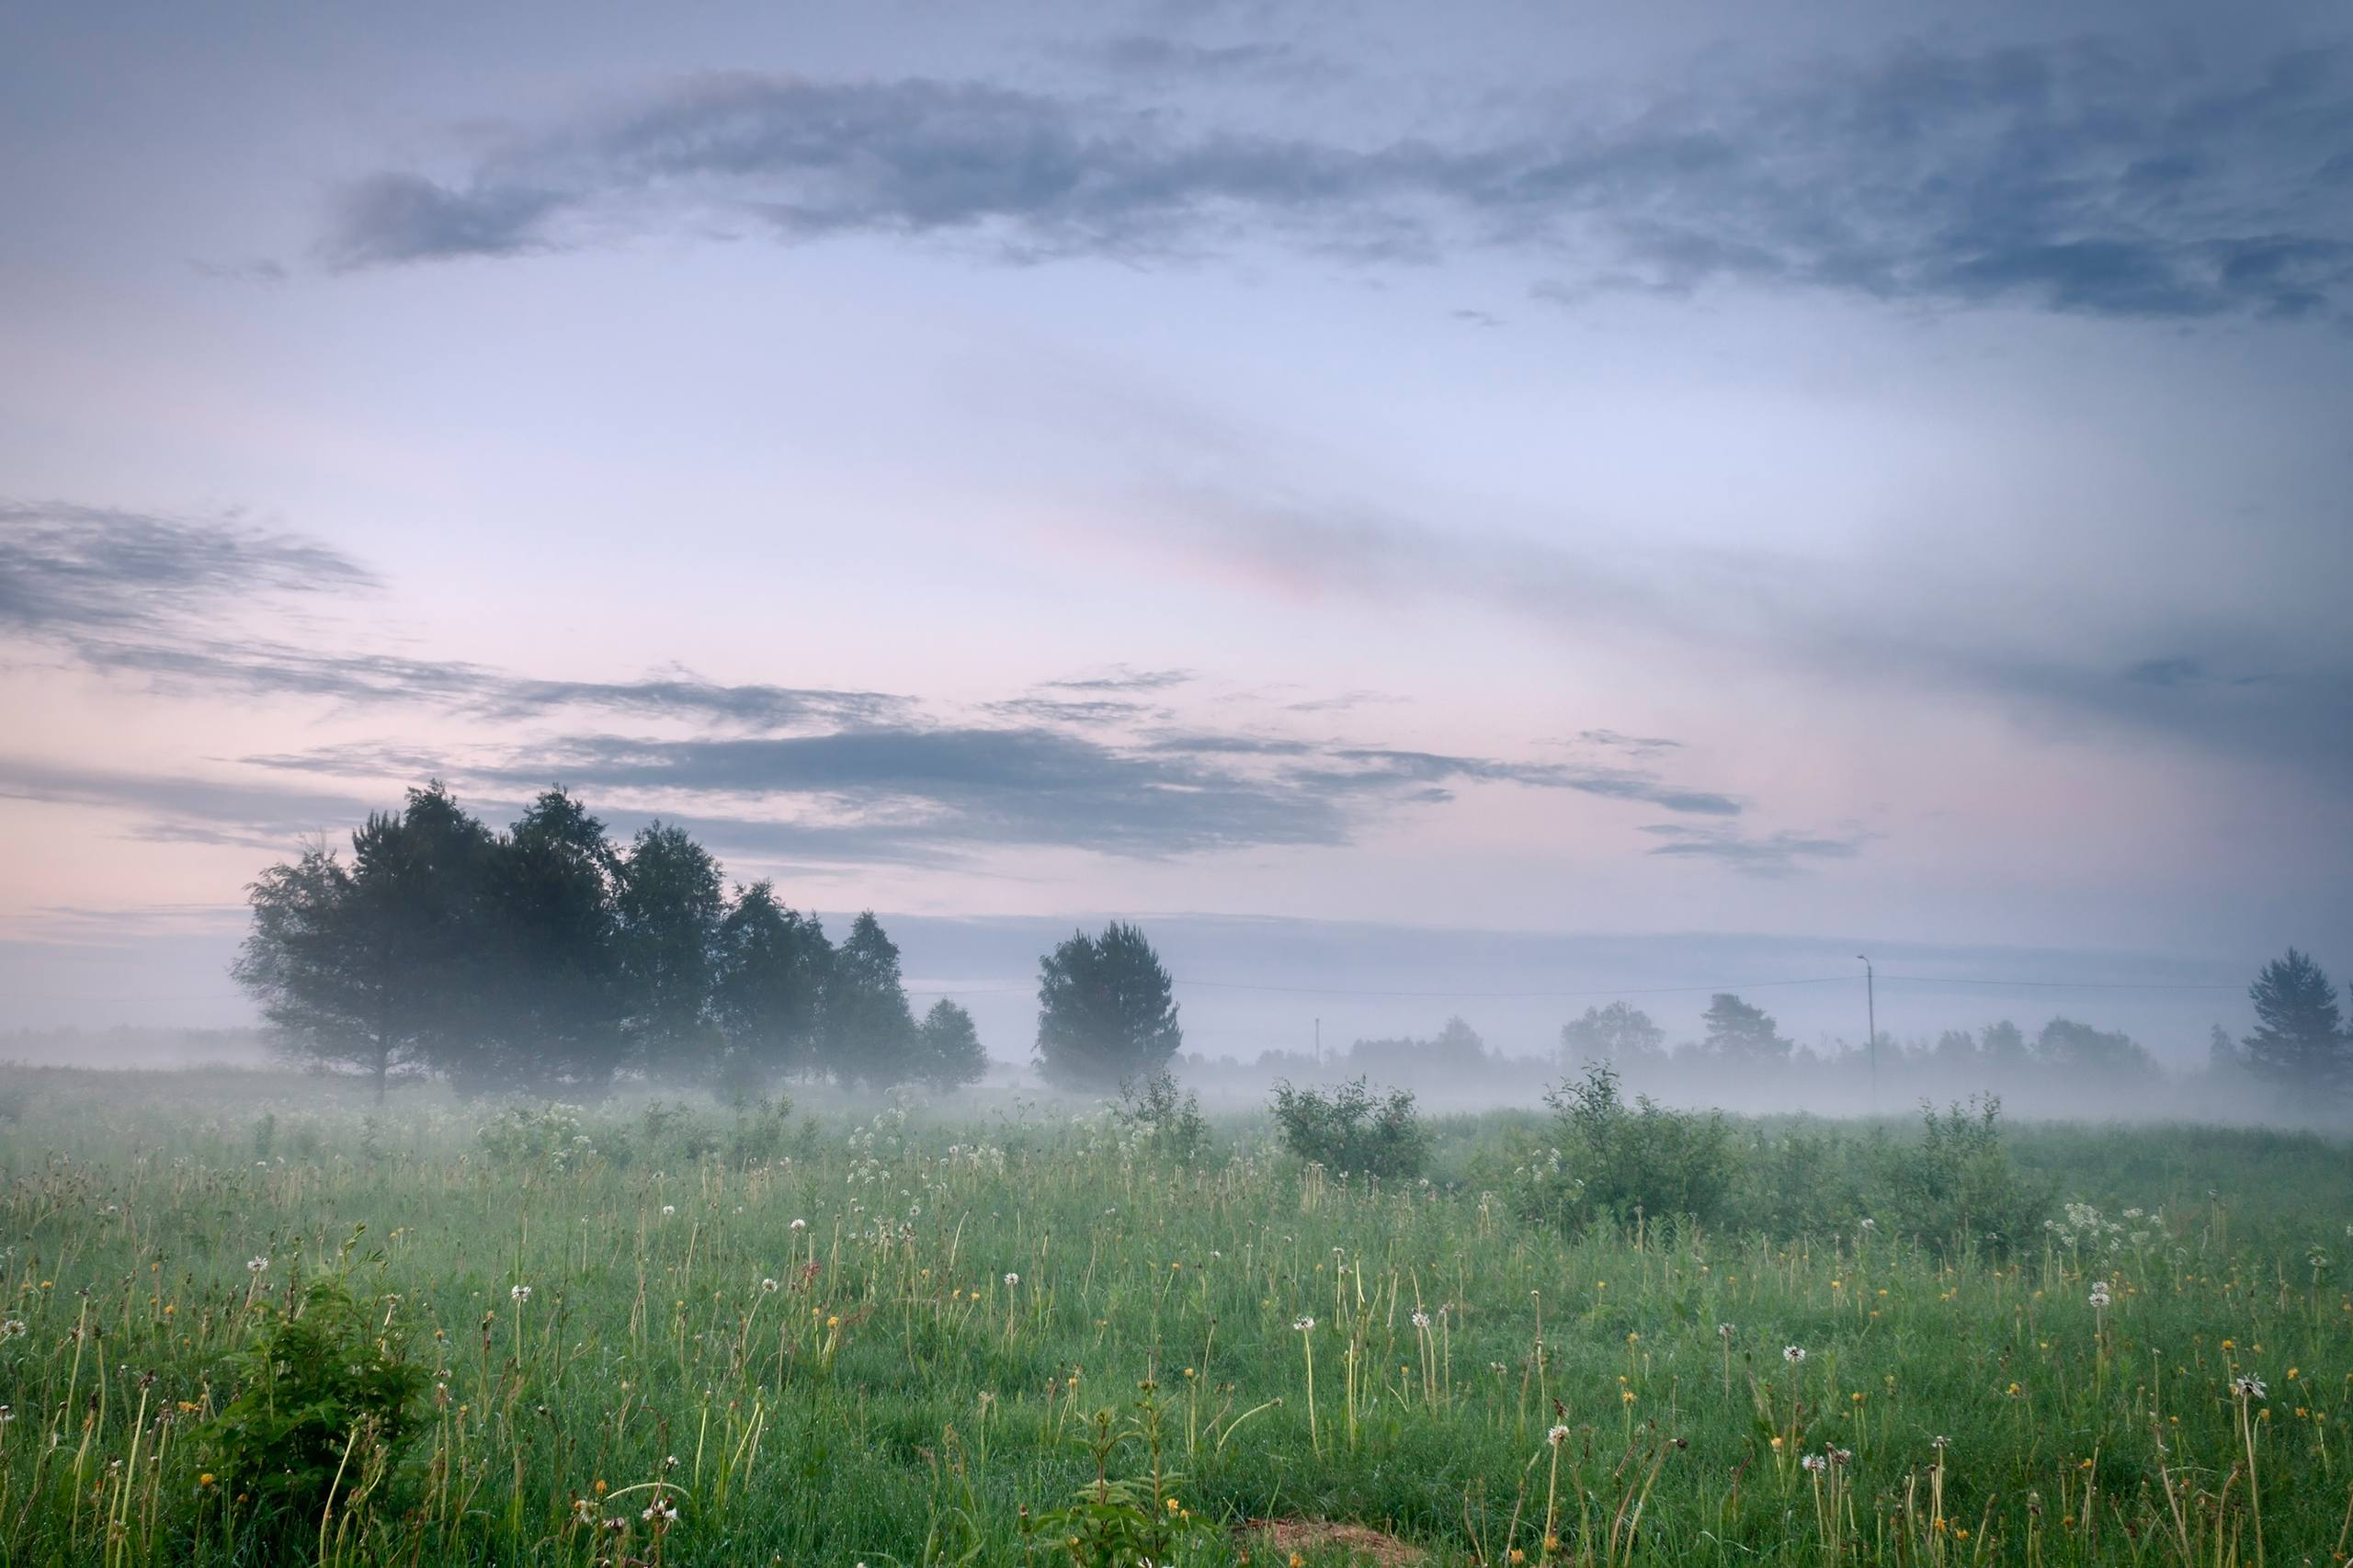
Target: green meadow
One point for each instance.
(995, 1331)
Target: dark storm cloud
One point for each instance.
(1771, 855)
(2083, 179)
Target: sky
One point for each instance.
(1666, 495)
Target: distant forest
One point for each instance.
(548, 958)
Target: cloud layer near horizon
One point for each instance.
(1077, 763)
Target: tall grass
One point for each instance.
(881, 1337)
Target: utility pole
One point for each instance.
(1871, 1012)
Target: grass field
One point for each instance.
(881, 1336)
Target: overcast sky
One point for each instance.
(1864, 474)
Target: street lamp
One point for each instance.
(1870, 1004)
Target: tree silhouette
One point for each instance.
(1619, 1033)
(667, 906)
(949, 1051)
(767, 983)
(2299, 1043)
(370, 966)
(1743, 1033)
(869, 1034)
(1104, 1014)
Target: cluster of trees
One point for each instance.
(2301, 1046)
(548, 960)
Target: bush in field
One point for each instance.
(549, 1137)
(1616, 1160)
(321, 1409)
(1957, 1187)
(1352, 1128)
(1163, 1120)
(1799, 1179)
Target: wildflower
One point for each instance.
(2247, 1385)
(1303, 1324)
(207, 1478)
(1869, 1225)
(670, 1463)
(1723, 1331)
(1940, 1442)
(257, 1265)
(1421, 1320)
(1793, 1354)
(769, 1286)
(1012, 1279)
(584, 1510)
(1814, 1462)
(1557, 1436)
(14, 1328)
(2099, 1298)
(668, 1210)
(798, 1225)
(520, 1294)
(659, 1511)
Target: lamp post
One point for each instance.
(1870, 1013)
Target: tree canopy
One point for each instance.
(1106, 1014)
(548, 960)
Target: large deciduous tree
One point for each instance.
(1104, 1013)
(370, 965)
(867, 1032)
(553, 1012)
(668, 902)
(767, 988)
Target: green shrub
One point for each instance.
(321, 1408)
(1958, 1186)
(1161, 1121)
(1353, 1130)
(1619, 1162)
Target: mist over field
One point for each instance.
(1176, 784)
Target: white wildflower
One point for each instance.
(1557, 1436)
(520, 1293)
(1303, 1324)
(1793, 1354)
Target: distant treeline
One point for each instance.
(2301, 1053)
(548, 958)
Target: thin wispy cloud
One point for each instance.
(1783, 854)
